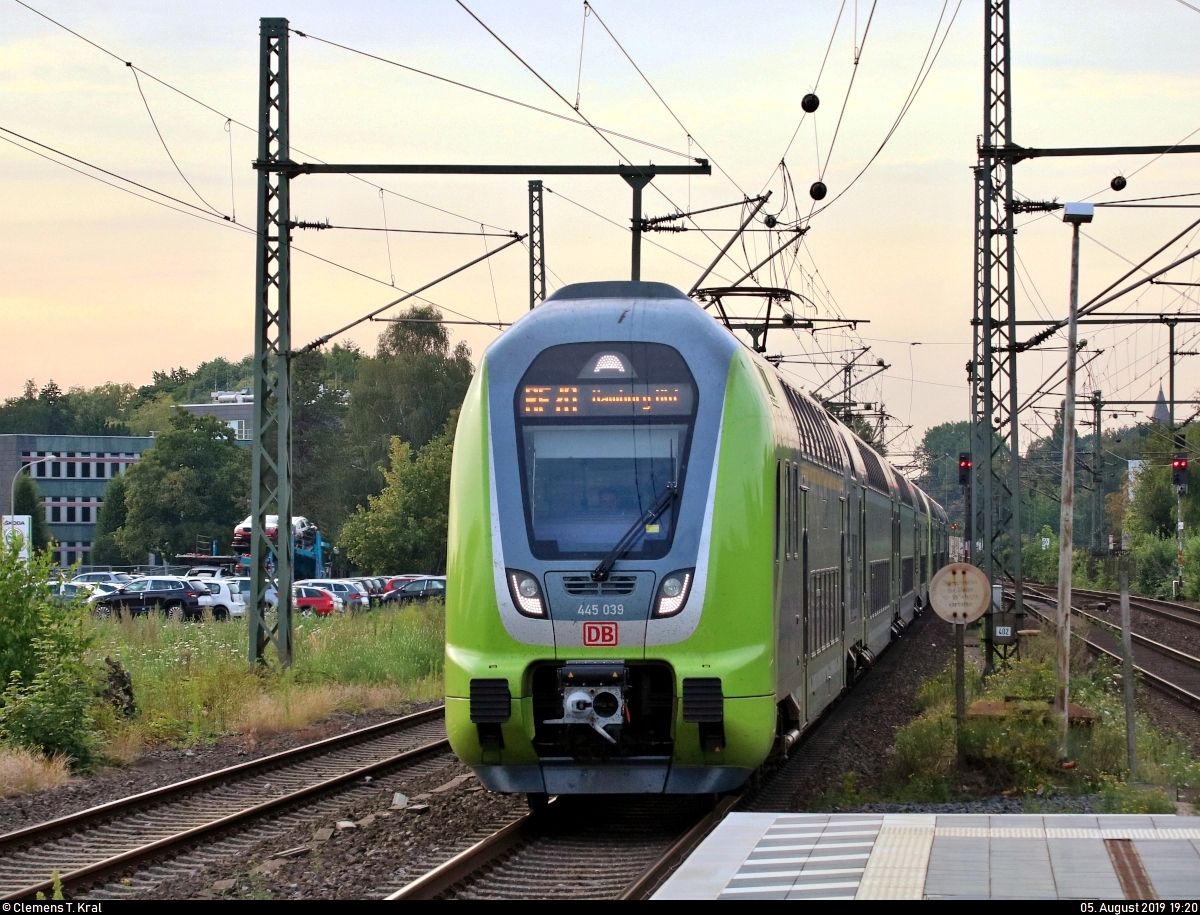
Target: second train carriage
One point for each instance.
(662, 555)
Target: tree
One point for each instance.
(937, 460)
(404, 527)
(193, 484)
(407, 391)
(111, 518)
(27, 500)
(321, 454)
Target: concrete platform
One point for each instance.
(942, 856)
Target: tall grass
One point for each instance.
(191, 681)
(1020, 752)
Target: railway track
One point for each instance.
(568, 851)
(1165, 669)
(1164, 609)
(100, 843)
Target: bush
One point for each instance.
(1020, 751)
(52, 713)
(50, 686)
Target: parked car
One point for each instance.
(303, 530)
(351, 592)
(395, 581)
(374, 592)
(242, 586)
(226, 602)
(67, 591)
(118, 577)
(178, 597)
(311, 599)
(206, 572)
(418, 590)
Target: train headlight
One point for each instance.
(526, 593)
(673, 592)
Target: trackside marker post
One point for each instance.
(960, 593)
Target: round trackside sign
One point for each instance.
(960, 593)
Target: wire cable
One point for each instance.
(243, 124)
(503, 98)
(918, 84)
(166, 148)
(194, 211)
(658, 96)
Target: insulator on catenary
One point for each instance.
(818, 190)
(810, 103)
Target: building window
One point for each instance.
(41, 469)
(85, 515)
(70, 468)
(85, 469)
(59, 558)
(70, 514)
(114, 469)
(55, 469)
(55, 514)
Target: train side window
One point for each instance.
(796, 513)
(787, 510)
(778, 529)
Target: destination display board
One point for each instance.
(623, 399)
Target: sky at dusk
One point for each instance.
(98, 285)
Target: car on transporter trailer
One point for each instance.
(664, 559)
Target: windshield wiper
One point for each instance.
(601, 572)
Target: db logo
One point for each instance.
(603, 634)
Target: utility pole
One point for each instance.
(271, 454)
(537, 246)
(1075, 214)
(637, 182)
(1001, 554)
(1097, 470)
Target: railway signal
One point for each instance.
(1179, 471)
(964, 468)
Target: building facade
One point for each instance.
(71, 471)
(234, 408)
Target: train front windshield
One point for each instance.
(603, 429)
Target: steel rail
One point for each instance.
(1150, 679)
(482, 853)
(1180, 613)
(659, 870)
(1173, 653)
(467, 862)
(139, 802)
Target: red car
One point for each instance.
(398, 581)
(317, 600)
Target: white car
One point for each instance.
(114, 577)
(354, 594)
(225, 600)
(242, 587)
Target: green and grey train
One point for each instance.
(664, 559)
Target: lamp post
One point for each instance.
(12, 489)
(1076, 214)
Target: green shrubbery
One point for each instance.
(66, 697)
(1020, 752)
(51, 684)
